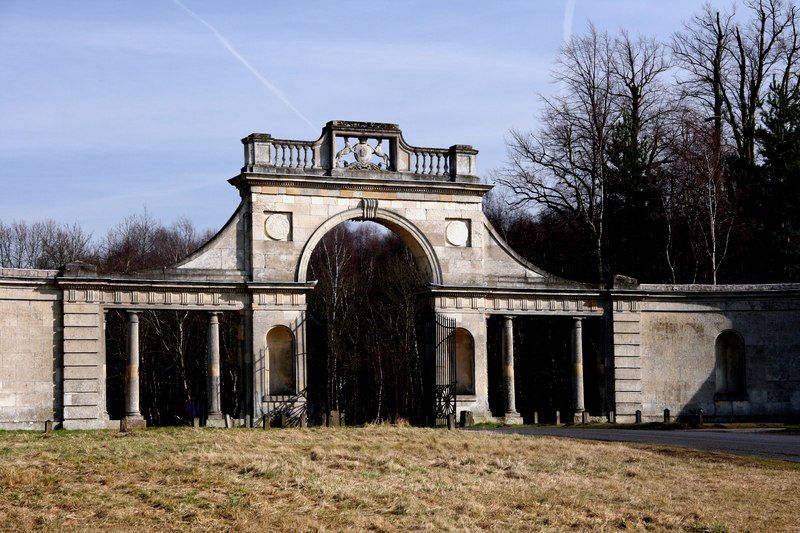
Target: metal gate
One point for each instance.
(443, 354)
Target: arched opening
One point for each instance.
(730, 366)
(465, 362)
(365, 326)
(280, 350)
(420, 249)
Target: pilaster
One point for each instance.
(626, 330)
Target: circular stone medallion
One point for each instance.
(457, 233)
(277, 226)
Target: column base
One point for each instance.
(132, 422)
(215, 421)
(510, 419)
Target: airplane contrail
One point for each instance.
(569, 12)
(265, 82)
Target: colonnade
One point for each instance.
(511, 415)
(133, 415)
(214, 417)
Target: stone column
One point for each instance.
(214, 414)
(511, 415)
(577, 368)
(133, 417)
(241, 409)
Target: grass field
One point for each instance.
(380, 478)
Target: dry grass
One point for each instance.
(381, 478)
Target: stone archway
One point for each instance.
(421, 248)
(366, 318)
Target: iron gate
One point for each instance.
(443, 354)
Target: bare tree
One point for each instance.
(706, 190)
(638, 67)
(563, 166)
(140, 242)
(766, 46)
(728, 62)
(46, 244)
(700, 50)
(335, 293)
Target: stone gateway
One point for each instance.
(732, 351)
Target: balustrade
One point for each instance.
(430, 161)
(358, 146)
(293, 154)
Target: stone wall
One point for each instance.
(30, 348)
(678, 335)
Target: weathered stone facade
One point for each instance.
(660, 339)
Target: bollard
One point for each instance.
(48, 426)
(667, 417)
(283, 420)
(536, 418)
(638, 416)
(228, 423)
(333, 419)
(123, 425)
(451, 421)
(248, 421)
(264, 422)
(612, 419)
(467, 419)
(700, 417)
(303, 420)
(584, 417)
(196, 422)
(558, 418)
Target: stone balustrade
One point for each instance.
(361, 149)
(293, 154)
(433, 161)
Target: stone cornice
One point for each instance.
(308, 181)
(532, 290)
(518, 301)
(715, 292)
(7, 281)
(111, 284)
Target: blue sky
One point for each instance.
(110, 106)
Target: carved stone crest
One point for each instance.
(363, 153)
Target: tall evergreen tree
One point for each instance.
(776, 195)
(633, 221)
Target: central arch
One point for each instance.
(421, 248)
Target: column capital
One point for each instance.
(579, 318)
(133, 316)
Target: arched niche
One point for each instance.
(465, 362)
(730, 365)
(280, 353)
(414, 239)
